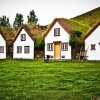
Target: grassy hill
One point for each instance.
(71, 25)
(89, 18)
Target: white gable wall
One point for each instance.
(28, 42)
(2, 43)
(64, 37)
(94, 38)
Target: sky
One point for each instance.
(46, 10)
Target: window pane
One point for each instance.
(50, 46)
(19, 49)
(57, 32)
(93, 47)
(23, 37)
(1, 49)
(64, 46)
(26, 49)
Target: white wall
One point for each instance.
(94, 38)
(3, 43)
(64, 37)
(28, 42)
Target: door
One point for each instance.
(57, 50)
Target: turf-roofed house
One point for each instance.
(2, 47)
(57, 40)
(23, 44)
(92, 43)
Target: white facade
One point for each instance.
(28, 42)
(63, 38)
(93, 39)
(2, 48)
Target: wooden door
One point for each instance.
(57, 50)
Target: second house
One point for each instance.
(57, 40)
(23, 45)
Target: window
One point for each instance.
(92, 46)
(23, 37)
(57, 32)
(50, 46)
(27, 49)
(1, 49)
(19, 49)
(64, 46)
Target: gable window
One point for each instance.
(64, 46)
(56, 31)
(23, 37)
(1, 49)
(93, 47)
(50, 46)
(27, 49)
(19, 49)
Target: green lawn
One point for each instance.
(36, 80)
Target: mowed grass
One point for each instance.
(36, 80)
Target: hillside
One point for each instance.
(74, 25)
(89, 18)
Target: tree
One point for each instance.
(4, 21)
(18, 21)
(76, 39)
(32, 18)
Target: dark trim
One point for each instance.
(56, 29)
(64, 47)
(22, 38)
(17, 50)
(93, 45)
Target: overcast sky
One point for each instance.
(46, 10)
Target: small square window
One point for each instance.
(27, 49)
(1, 49)
(64, 46)
(19, 49)
(93, 47)
(57, 32)
(50, 46)
(23, 37)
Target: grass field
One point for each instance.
(36, 80)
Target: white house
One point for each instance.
(57, 40)
(23, 45)
(92, 43)
(2, 47)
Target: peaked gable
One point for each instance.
(26, 29)
(59, 20)
(92, 30)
